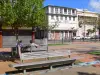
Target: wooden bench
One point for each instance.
(36, 55)
(42, 54)
(49, 63)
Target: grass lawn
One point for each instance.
(95, 52)
(56, 44)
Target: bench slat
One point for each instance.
(42, 63)
(35, 55)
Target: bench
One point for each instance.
(49, 63)
(15, 52)
(43, 54)
(40, 54)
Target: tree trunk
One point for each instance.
(16, 33)
(33, 34)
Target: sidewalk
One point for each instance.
(77, 46)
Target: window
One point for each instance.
(57, 18)
(56, 10)
(65, 11)
(61, 10)
(52, 16)
(65, 17)
(73, 11)
(47, 10)
(61, 17)
(73, 18)
(52, 10)
(74, 34)
(69, 18)
(69, 11)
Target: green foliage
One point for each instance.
(56, 44)
(95, 52)
(94, 30)
(90, 30)
(20, 13)
(53, 25)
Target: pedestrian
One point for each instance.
(21, 44)
(19, 47)
(32, 45)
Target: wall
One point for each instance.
(9, 38)
(63, 24)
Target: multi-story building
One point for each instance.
(87, 23)
(64, 20)
(69, 22)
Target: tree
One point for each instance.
(22, 13)
(53, 25)
(90, 31)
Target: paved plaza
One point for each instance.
(78, 50)
(78, 46)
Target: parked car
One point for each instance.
(87, 37)
(77, 37)
(95, 37)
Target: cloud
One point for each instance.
(95, 4)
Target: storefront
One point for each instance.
(58, 34)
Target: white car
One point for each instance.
(77, 37)
(87, 37)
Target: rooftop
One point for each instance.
(86, 10)
(60, 7)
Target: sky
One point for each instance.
(91, 5)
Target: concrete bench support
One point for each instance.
(49, 63)
(51, 67)
(24, 71)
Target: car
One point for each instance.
(95, 37)
(77, 37)
(87, 37)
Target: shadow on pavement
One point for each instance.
(85, 73)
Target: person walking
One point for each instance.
(19, 47)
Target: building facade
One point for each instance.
(69, 22)
(64, 20)
(87, 22)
